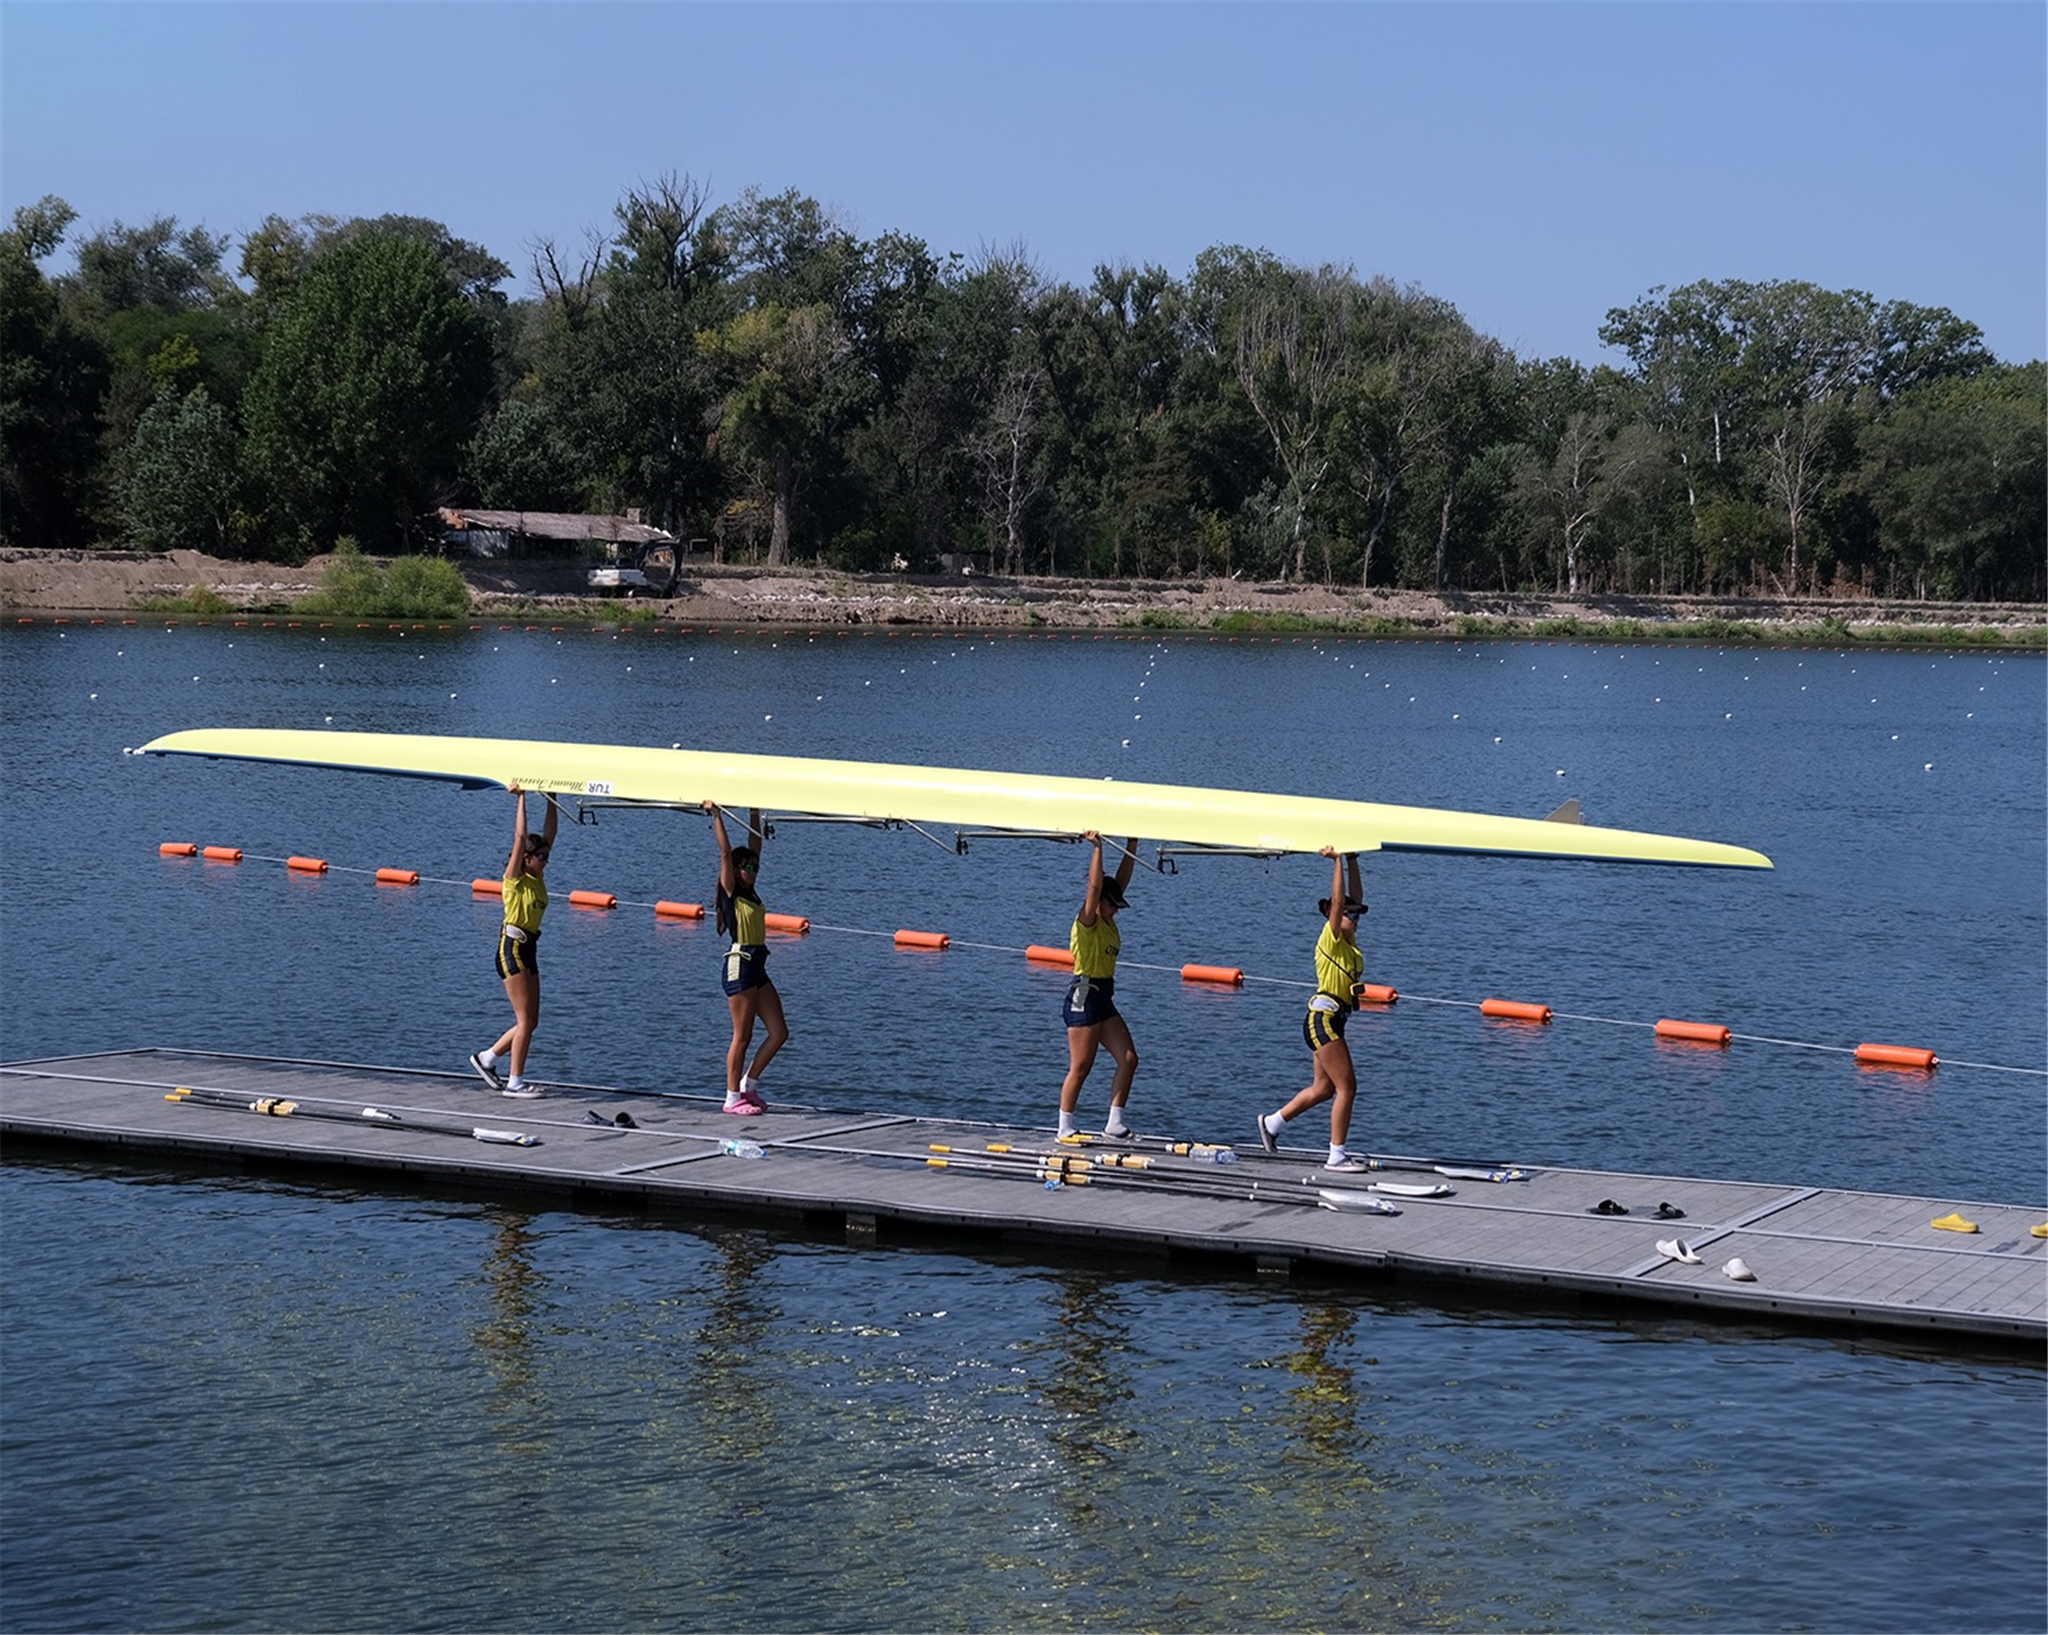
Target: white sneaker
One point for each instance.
(521, 1092)
(1346, 1165)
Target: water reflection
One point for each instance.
(1321, 1412)
(1088, 1381)
(734, 1417)
(505, 1338)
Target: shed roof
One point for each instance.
(558, 525)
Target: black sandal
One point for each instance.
(1607, 1206)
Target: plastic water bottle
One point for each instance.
(1207, 1152)
(743, 1149)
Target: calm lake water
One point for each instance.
(235, 1403)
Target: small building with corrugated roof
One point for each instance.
(546, 533)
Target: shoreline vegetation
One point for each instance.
(188, 584)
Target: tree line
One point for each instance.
(755, 375)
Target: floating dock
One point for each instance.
(1813, 1255)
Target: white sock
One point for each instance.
(1274, 1123)
(515, 1083)
(1337, 1155)
(749, 1082)
(1066, 1124)
(1114, 1124)
(488, 1057)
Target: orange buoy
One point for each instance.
(788, 922)
(1372, 993)
(306, 865)
(593, 899)
(1895, 1056)
(680, 911)
(1039, 954)
(1228, 976)
(178, 848)
(923, 939)
(223, 854)
(398, 877)
(487, 888)
(1698, 1033)
(1514, 1010)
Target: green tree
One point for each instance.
(900, 452)
(618, 374)
(280, 252)
(780, 364)
(785, 361)
(1766, 385)
(1115, 353)
(375, 373)
(179, 476)
(1596, 467)
(53, 369)
(123, 268)
(1421, 396)
(518, 462)
(1293, 337)
(1955, 474)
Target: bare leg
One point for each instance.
(769, 1008)
(1344, 1077)
(1314, 1094)
(1082, 1044)
(744, 1007)
(1116, 1039)
(524, 992)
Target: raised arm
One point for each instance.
(1091, 897)
(728, 879)
(1337, 882)
(516, 864)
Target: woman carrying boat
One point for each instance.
(1339, 965)
(1093, 1021)
(526, 900)
(749, 992)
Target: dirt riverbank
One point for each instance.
(89, 583)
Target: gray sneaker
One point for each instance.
(485, 1071)
(531, 1092)
(1347, 1165)
(1268, 1139)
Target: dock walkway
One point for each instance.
(1862, 1260)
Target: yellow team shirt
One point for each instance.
(1339, 965)
(1096, 947)
(749, 921)
(526, 900)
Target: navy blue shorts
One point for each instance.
(1090, 1001)
(746, 966)
(1319, 1028)
(518, 952)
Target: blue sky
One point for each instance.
(1534, 163)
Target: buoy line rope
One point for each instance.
(1248, 978)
